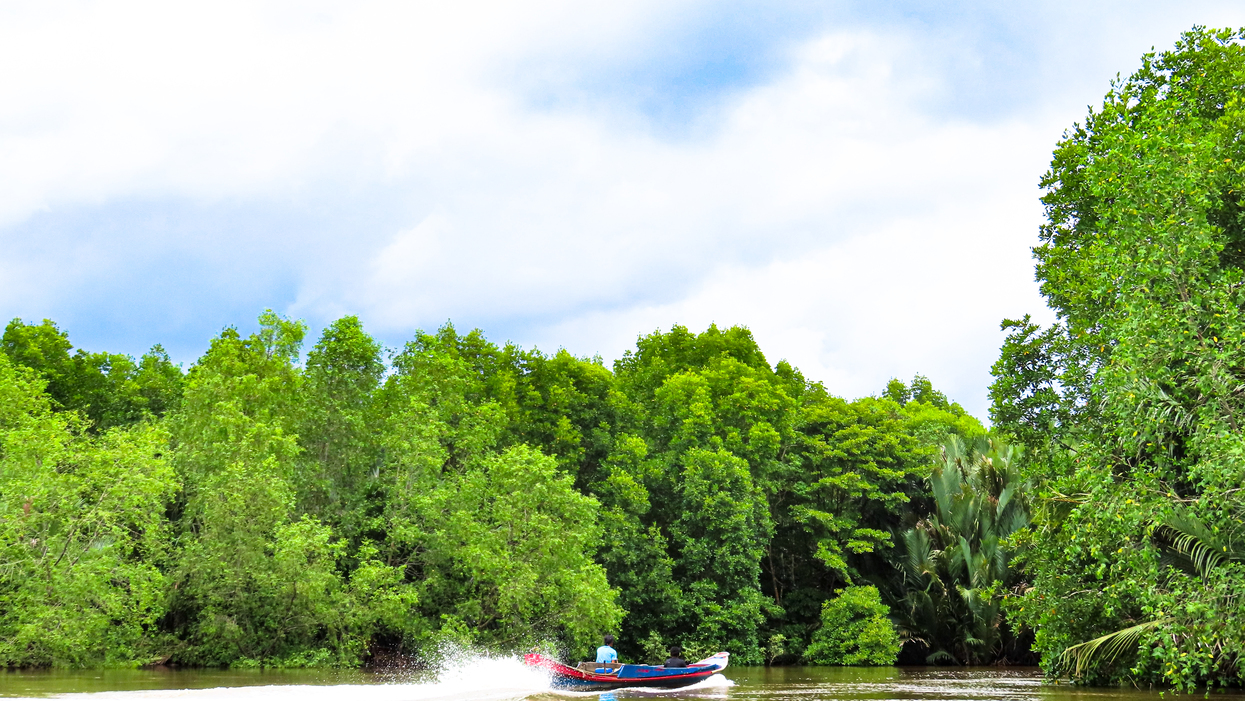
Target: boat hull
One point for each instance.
(629, 675)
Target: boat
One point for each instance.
(604, 676)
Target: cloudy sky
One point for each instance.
(854, 181)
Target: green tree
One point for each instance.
(295, 515)
(854, 631)
(1130, 403)
(109, 389)
(855, 470)
(498, 541)
(83, 537)
(830, 481)
(705, 404)
(255, 582)
(508, 552)
(718, 542)
(568, 406)
(337, 424)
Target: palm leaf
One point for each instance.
(1106, 649)
(1204, 556)
(1188, 537)
(947, 478)
(918, 560)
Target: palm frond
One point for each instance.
(1188, 537)
(1204, 556)
(946, 481)
(949, 560)
(917, 561)
(1105, 649)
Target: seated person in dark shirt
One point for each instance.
(676, 658)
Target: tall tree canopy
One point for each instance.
(1131, 404)
(110, 389)
(296, 510)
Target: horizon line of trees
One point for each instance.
(270, 508)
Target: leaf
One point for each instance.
(1105, 649)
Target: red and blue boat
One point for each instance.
(597, 676)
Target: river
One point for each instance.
(505, 679)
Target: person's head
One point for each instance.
(609, 639)
(676, 651)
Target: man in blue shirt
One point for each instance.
(606, 653)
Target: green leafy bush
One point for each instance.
(854, 630)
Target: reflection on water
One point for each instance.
(506, 679)
(920, 684)
(51, 682)
(462, 677)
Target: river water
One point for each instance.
(506, 679)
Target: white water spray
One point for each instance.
(460, 675)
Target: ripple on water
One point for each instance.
(922, 684)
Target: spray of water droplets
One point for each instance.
(452, 674)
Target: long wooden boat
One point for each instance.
(594, 676)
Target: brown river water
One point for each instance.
(505, 679)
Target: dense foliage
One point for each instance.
(84, 545)
(855, 631)
(954, 564)
(1131, 405)
(271, 508)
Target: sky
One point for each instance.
(855, 182)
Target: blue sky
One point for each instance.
(856, 182)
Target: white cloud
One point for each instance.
(857, 237)
(243, 99)
(913, 295)
(857, 230)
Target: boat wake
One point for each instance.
(462, 677)
(459, 676)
